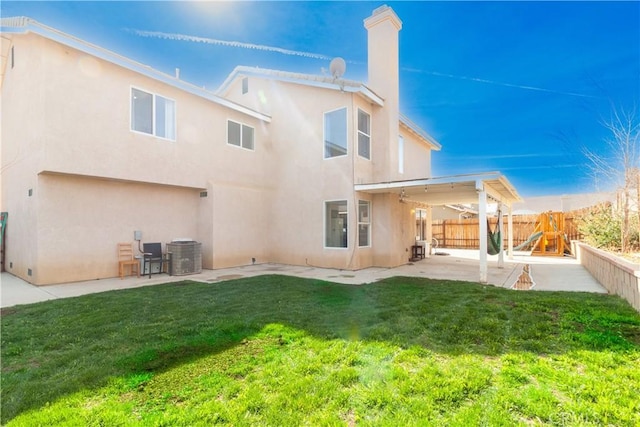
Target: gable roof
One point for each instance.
(325, 82)
(24, 25)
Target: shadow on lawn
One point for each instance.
(153, 329)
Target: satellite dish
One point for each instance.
(337, 67)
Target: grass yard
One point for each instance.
(283, 351)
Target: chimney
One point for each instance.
(383, 63)
(383, 27)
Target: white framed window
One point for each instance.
(364, 223)
(364, 134)
(336, 220)
(240, 135)
(245, 85)
(153, 114)
(335, 133)
(400, 154)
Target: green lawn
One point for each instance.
(285, 351)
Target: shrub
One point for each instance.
(634, 234)
(601, 227)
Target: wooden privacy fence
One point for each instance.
(465, 233)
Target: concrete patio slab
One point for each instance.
(549, 274)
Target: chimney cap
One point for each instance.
(380, 9)
(381, 14)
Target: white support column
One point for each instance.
(501, 231)
(510, 229)
(429, 236)
(482, 219)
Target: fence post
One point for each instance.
(444, 233)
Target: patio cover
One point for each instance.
(472, 188)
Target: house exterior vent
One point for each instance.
(186, 257)
(15, 21)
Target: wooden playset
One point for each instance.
(552, 241)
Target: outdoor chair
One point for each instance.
(152, 255)
(126, 258)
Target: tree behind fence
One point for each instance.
(465, 233)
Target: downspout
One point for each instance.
(354, 221)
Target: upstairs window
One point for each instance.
(240, 135)
(335, 133)
(364, 134)
(153, 114)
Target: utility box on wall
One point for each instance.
(185, 257)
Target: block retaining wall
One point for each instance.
(617, 275)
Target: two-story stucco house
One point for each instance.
(273, 167)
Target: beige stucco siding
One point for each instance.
(81, 220)
(21, 243)
(240, 225)
(68, 114)
(22, 132)
(305, 179)
(417, 157)
(22, 151)
(5, 54)
(67, 136)
(395, 228)
(87, 105)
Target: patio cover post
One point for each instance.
(500, 230)
(429, 236)
(510, 229)
(482, 218)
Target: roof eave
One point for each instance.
(337, 84)
(23, 25)
(428, 139)
(506, 193)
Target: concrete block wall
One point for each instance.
(617, 275)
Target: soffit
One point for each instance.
(20, 25)
(447, 189)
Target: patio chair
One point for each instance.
(126, 258)
(152, 253)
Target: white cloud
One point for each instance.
(183, 37)
(476, 79)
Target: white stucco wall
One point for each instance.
(304, 178)
(81, 220)
(66, 119)
(66, 135)
(417, 157)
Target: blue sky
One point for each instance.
(518, 87)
